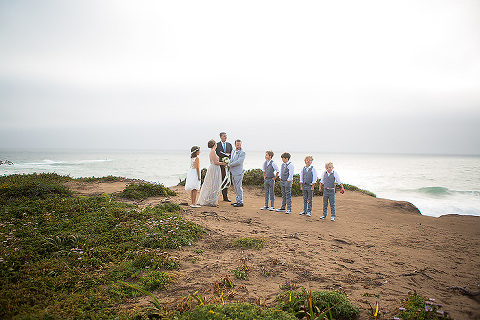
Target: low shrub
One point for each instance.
(240, 274)
(144, 190)
(417, 307)
(250, 243)
(100, 179)
(36, 178)
(334, 304)
(203, 172)
(34, 186)
(155, 280)
(241, 311)
(354, 188)
(168, 207)
(254, 177)
(152, 260)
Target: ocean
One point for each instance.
(437, 185)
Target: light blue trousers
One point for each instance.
(269, 191)
(328, 195)
(307, 198)
(237, 183)
(286, 194)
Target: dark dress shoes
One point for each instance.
(238, 204)
(227, 200)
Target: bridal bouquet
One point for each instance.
(226, 181)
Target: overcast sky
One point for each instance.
(319, 76)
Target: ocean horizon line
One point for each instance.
(290, 151)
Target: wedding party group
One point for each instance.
(225, 161)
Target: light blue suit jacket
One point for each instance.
(236, 164)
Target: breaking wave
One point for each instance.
(64, 163)
(443, 191)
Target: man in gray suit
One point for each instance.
(236, 169)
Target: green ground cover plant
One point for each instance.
(100, 179)
(316, 304)
(140, 191)
(253, 177)
(250, 243)
(240, 274)
(66, 257)
(32, 186)
(421, 308)
(203, 172)
(354, 188)
(241, 311)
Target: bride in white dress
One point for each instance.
(210, 189)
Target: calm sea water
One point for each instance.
(437, 185)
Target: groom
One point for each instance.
(236, 169)
(224, 149)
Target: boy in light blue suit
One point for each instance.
(270, 174)
(308, 178)
(328, 179)
(286, 179)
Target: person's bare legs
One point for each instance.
(193, 195)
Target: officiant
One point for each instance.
(224, 149)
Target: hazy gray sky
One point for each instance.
(331, 76)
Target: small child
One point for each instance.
(193, 180)
(270, 174)
(328, 179)
(286, 178)
(308, 178)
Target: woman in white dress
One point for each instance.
(192, 183)
(213, 179)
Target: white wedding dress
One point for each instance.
(211, 186)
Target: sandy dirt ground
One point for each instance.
(376, 246)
